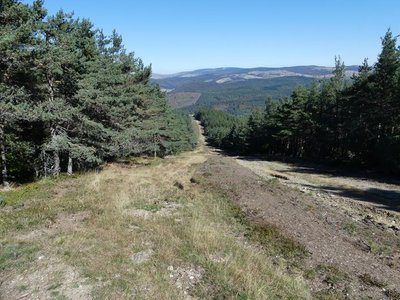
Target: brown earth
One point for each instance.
(349, 256)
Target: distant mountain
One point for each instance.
(238, 90)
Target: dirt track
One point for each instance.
(349, 225)
(349, 254)
(312, 177)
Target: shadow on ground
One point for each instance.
(297, 166)
(386, 197)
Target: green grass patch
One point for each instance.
(16, 197)
(372, 281)
(350, 228)
(152, 207)
(331, 274)
(22, 288)
(329, 295)
(54, 286)
(33, 204)
(16, 255)
(380, 249)
(143, 161)
(215, 285)
(269, 236)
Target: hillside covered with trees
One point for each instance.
(335, 120)
(72, 97)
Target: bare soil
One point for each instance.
(352, 243)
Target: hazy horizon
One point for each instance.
(253, 67)
(176, 36)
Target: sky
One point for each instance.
(183, 35)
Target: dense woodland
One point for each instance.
(240, 98)
(338, 120)
(72, 98)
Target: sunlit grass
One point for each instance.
(187, 227)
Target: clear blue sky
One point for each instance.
(178, 35)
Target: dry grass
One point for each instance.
(143, 236)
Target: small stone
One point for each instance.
(170, 268)
(142, 256)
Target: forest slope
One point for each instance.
(239, 90)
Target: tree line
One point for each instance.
(72, 97)
(338, 119)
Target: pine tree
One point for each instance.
(359, 119)
(255, 134)
(16, 36)
(65, 46)
(385, 115)
(386, 72)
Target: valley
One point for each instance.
(238, 90)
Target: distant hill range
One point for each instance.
(238, 90)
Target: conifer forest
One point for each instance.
(353, 120)
(72, 97)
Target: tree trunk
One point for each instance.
(50, 87)
(56, 154)
(155, 146)
(4, 172)
(56, 170)
(69, 170)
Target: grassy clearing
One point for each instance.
(142, 236)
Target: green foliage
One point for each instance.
(72, 98)
(218, 125)
(357, 122)
(240, 98)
